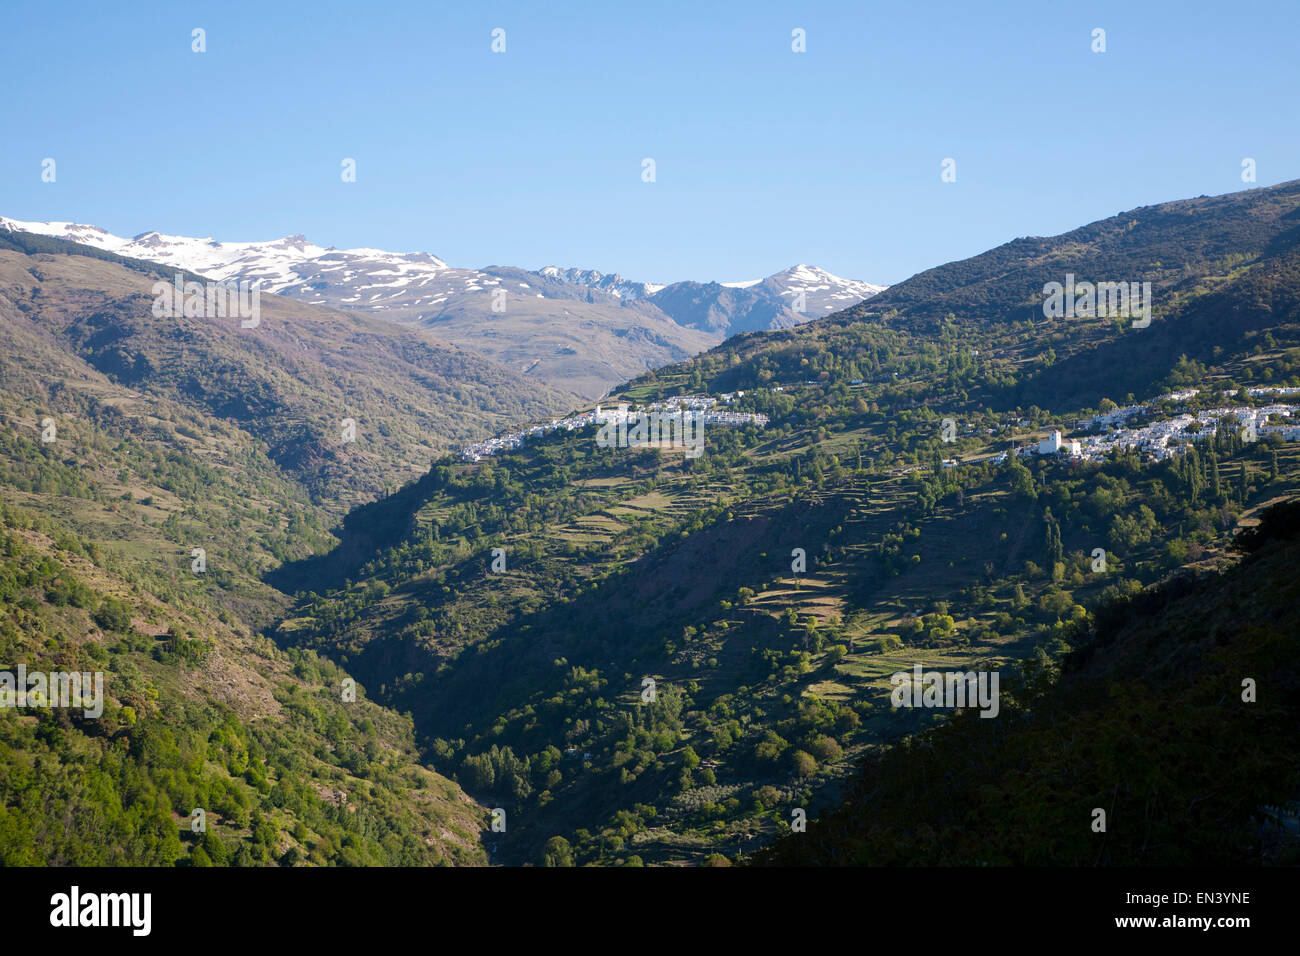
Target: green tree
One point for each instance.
(803, 763)
(557, 852)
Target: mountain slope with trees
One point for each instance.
(141, 505)
(1177, 717)
(642, 658)
(771, 676)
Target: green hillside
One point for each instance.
(199, 713)
(130, 442)
(1147, 721)
(626, 565)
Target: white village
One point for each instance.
(705, 405)
(1100, 435)
(1167, 437)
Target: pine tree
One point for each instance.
(1054, 551)
(1195, 481)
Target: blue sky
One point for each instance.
(764, 157)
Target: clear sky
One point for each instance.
(764, 157)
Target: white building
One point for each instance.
(1053, 445)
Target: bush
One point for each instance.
(113, 615)
(826, 749)
(557, 852)
(804, 763)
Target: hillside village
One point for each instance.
(1157, 440)
(1104, 433)
(1163, 438)
(598, 415)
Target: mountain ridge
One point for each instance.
(582, 330)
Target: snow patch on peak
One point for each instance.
(822, 292)
(279, 264)
(612, 283)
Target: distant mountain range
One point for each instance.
(580, 330)
(774, 301)
(73, 318)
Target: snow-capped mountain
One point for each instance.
(579, 329)
(823, 293)
(780, 301)
(291, 266)
(612, 283)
